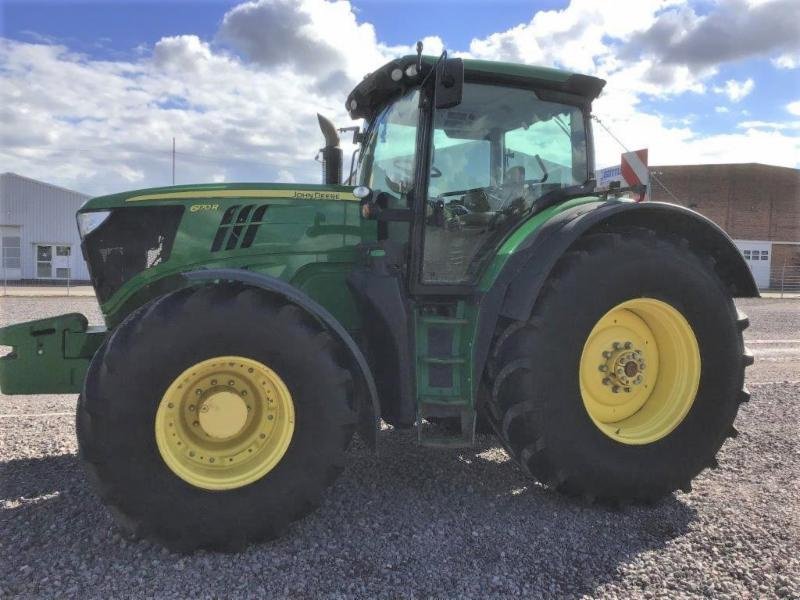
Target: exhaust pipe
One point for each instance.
(331, 153)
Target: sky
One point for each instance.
(92, 93)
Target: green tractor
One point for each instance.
(470, 277)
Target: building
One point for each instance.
(757, 205)
(40, 240)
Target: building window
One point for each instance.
(10, 252)
(746, 254)
(765, 255)
(44, 270)
(62, 273)
(63, 251)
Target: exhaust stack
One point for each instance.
(331, 153)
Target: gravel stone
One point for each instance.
(418, 522)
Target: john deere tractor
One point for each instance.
(471, 276)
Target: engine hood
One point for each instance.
(214, 193)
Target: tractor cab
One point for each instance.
(455, 172)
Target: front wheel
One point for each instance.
(214, 417)
(626, 380)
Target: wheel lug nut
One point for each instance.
(615, 389)
(628, 345)
(606, 381)
(213, 382)
(606, 354)
(603, 368)
(617, 346)
(198, 392)
(627, 389)
(230, 383)
(244, 392)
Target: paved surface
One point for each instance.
(418, 522)
(37, 291)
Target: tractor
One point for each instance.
(466, 276)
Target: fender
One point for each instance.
(517, 287)
(369, 408)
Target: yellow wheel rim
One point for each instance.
(224, 423)
(639, 371)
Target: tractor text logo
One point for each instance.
(316, 195)
(238, 227)
(199, 207)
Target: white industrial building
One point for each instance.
(40, 240)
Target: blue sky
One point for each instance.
(672, 85)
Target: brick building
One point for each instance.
(758, 205)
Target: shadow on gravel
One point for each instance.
(411, 522)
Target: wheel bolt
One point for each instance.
(627, 389)
(628, 345)
(615, 389)
(198, 392)
(606, 354)
(213, 382)
(230, 383)
(606, 381)
(244, 392)
(602, 368)
(617, 346)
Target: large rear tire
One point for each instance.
(625, 381)
(215, 416)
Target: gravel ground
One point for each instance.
(420, 522)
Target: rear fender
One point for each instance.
(517, 287)
(369, 408)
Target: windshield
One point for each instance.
(387, 163)
(493, 156)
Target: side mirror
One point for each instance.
(449, 83)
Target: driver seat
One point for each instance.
(513, 185)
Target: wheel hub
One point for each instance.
(224, 422)
(623, 367)
(222, 414)
(649, 371)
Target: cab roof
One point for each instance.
(378, 87)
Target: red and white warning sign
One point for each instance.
(634, 171)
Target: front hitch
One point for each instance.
(48, 356)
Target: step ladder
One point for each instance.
(444, 377)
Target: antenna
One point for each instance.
(419, 56)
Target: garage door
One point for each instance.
(758, 256)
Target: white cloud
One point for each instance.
(794, 107)
(736, 90)
(243, 107)
(787, 61)
(776, 125)
(721, 109)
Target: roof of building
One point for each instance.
(9, 174)
(726, 165)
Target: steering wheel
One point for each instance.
(406, 167)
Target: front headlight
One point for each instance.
(89, 221)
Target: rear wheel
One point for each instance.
(215, 416)
(626, 380)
